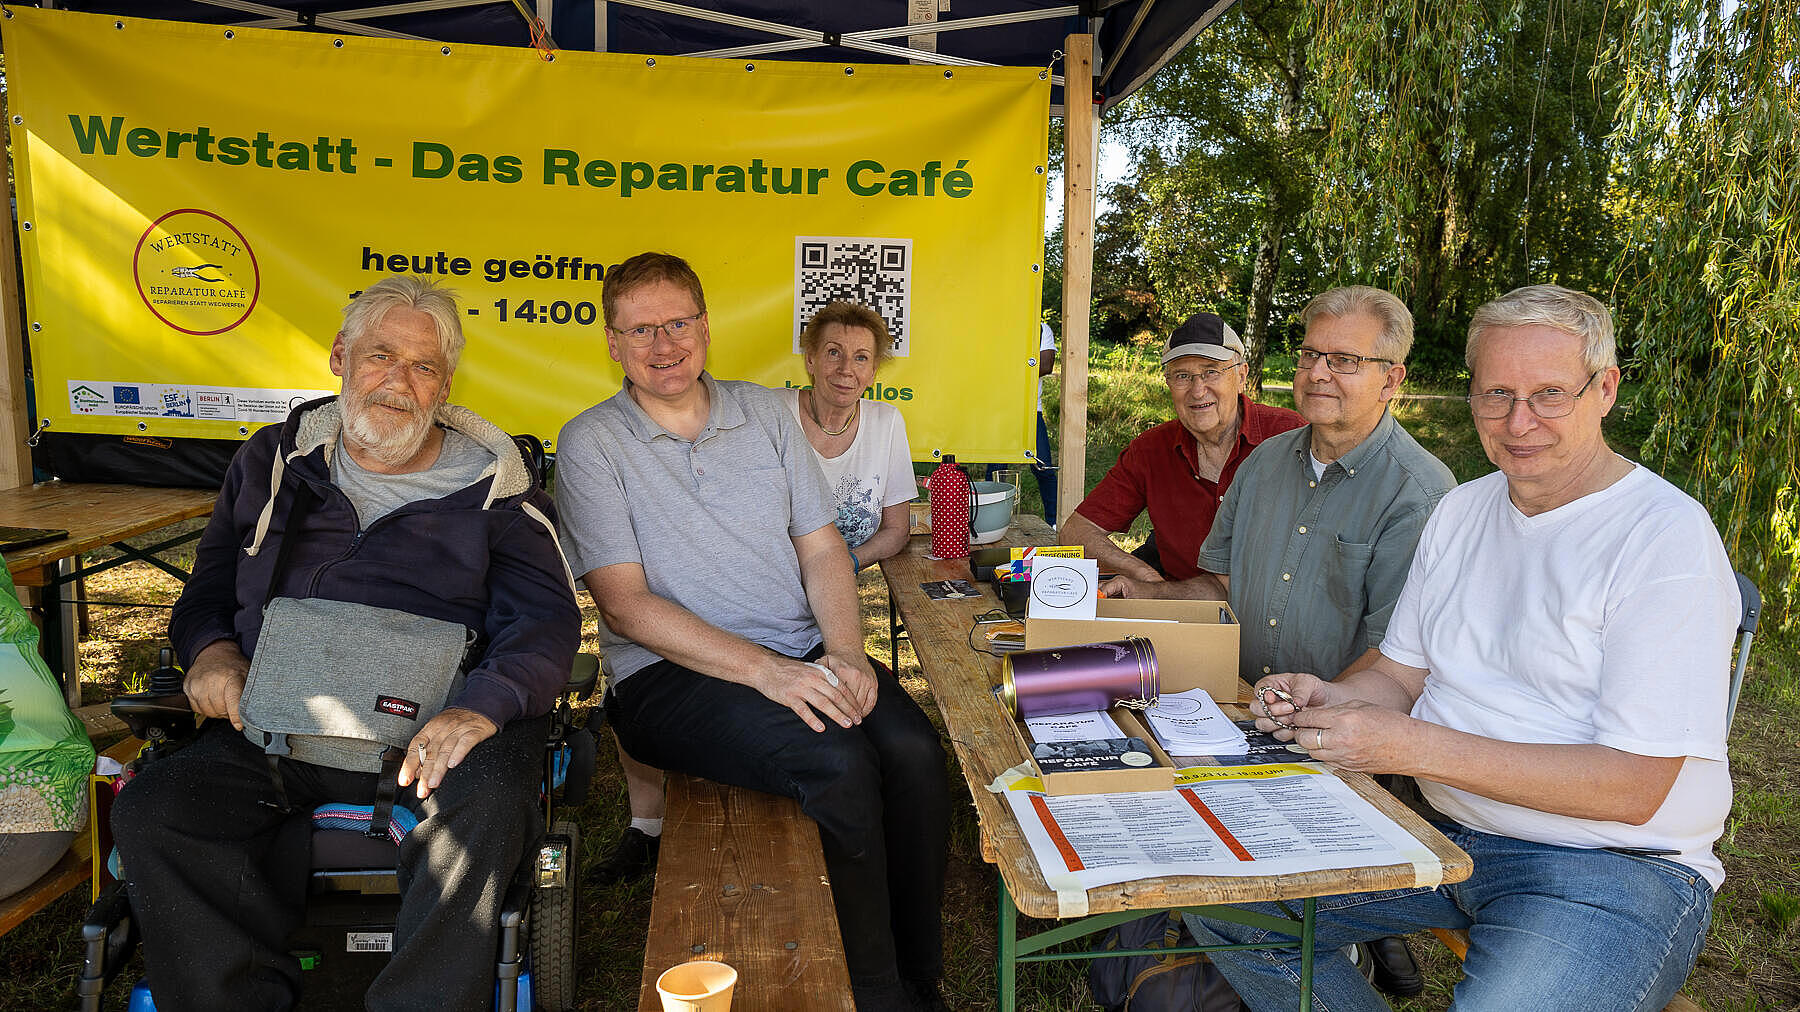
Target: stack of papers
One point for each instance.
(1190, 723)
(1092, 725)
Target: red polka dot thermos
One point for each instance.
(949, 510)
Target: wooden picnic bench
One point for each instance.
(741, 879)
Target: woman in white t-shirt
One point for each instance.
(861, 443)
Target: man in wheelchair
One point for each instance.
(368, 533)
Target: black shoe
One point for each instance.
(632, 859)
(1395, 971)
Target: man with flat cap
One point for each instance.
(1179, 470)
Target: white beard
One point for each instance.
(391, 443)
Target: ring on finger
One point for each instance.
(1318, 737)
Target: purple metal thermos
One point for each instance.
(1088, 676)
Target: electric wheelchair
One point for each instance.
(353, 893)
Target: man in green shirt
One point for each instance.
(1315, 536)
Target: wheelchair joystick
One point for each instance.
(166, 679)
(160, 715)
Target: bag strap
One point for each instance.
(387, 787)
(290, 525)
(275, 746)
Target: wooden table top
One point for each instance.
(986, 745)
(94, 516)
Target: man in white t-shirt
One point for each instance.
(1555, 676)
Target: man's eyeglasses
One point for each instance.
(1548, 403)
(1339, 362)
(680, 329)
(1182, 378)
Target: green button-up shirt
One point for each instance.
(1316, 564)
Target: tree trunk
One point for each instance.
(1278, 211)
(1262, 291)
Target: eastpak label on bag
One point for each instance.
(397, 706)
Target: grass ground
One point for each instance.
(1749, 964)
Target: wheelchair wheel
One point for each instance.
(553, 930)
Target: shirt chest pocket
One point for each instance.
(1346, 570)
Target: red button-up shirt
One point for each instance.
(1160, 471)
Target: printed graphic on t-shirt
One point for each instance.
(859, 509)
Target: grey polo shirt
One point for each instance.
(711, 520)
(1317, 564)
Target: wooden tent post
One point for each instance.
(1081, 136)
(15, 423)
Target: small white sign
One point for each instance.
(118, 399)
(1063, 588)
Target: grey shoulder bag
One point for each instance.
(346, 685)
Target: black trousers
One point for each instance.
(217, 874)
(877, 790)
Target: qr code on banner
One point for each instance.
(876, 273)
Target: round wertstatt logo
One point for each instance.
(196, 272)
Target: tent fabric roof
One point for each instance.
(1133, 37)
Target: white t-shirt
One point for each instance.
(874, 473)
(1046, 342)
(1606, 621)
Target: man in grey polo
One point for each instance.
(697, 513)
(1315, 536)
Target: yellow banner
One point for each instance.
(197, 204)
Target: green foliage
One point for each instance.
(1465, 152)
(1780, 909)
(1709, 151)
(1446, 151)
(1221, 143)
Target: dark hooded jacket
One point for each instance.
(485, 556)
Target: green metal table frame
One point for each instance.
(1030, 949)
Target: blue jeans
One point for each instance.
(1549, 928)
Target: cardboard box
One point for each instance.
(1196, 641)
(1159, 776)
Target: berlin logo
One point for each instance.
(196, 272)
